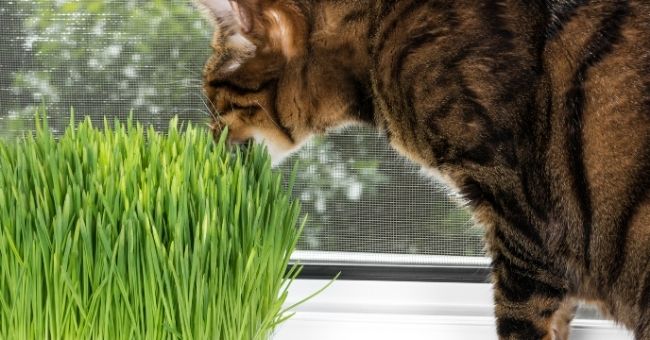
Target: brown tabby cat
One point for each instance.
(536, 111)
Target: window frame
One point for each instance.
(319, 265)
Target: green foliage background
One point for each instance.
(108, 57)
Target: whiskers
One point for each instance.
(197, 73)
(268, 114)
(196, 83)
(208, 111)
(214, 125)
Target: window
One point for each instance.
(372, 211)
(113, 57)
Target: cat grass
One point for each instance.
(126, 233)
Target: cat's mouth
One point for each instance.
(241, 147)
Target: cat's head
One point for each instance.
(266, 84)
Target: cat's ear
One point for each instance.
(245, 13)
(230, 14)
(230, 22)
(264, 23)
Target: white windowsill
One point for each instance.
(381, 310)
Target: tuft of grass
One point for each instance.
(125, 233)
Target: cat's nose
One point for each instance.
(240, 141)
(242, 144)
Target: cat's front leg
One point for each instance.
(526, 300)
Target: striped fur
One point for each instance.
(538, 112)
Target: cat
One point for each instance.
(537, 112)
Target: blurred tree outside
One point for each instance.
(111, 57)
(13, 56)
(108, 57)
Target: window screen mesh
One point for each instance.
(113, 57)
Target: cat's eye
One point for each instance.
(244, 110)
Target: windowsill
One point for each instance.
(378, 310)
